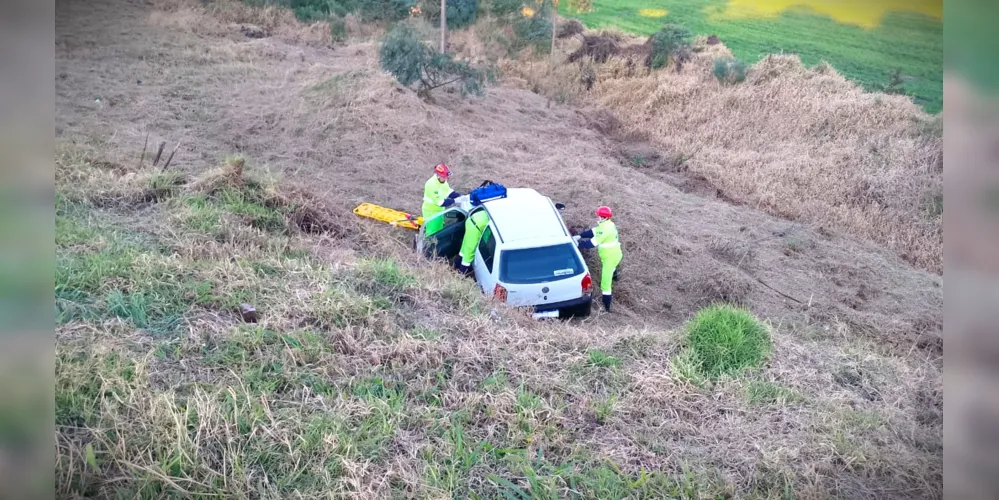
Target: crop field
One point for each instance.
(865, 41)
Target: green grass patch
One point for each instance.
(602, 360)
(770, 393)
(724, 340)
(909, 42)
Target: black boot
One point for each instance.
(607, 302)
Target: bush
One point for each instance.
(725, 339)
(321, 10)
(460, 13)
(666, 43)
(729, 70)
(503, 8)
(413, 62)
(383, 10)
(338, 29)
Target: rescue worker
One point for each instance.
(474, 226)
(604, 237)
(437, 196)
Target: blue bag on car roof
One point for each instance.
(485, 193)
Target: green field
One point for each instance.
(859, 42)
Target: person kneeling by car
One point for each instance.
(604, 237)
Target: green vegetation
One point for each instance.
(724, 339)
(460, 13)
(909, 42)
(322, 10)
(667, 43)
(728, 70)
(763, 393)
(414, 62)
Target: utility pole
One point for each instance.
(551, 53)
(554, 24)
(443, 26)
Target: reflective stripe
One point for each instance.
(609, 245)
(426, 199)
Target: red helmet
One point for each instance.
(604, 212)
(442, 170)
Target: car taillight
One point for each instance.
(499, 292)
(587, 284)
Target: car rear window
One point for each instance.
(538, 265)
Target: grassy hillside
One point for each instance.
(865, 42)
(370, 373)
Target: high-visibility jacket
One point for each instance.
(604, 237)
(434, 194)
(474, 226)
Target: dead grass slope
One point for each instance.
(800, 143)
(857, 329)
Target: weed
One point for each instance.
(763, 393)
(602, 360)
(726, 339)
(603, 408)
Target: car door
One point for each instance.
(485, 261)
(445, 243)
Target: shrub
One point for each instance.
(460, 13)
(383, 10)
(503, 8)
(570, 27)
(725, 339)
(729, 70)
(413, 62)
(338, 29)
(666, 43)
(321, 10)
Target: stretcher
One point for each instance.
(394, 217)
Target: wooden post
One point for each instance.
(443, 26)
(554, 26)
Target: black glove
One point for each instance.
(453, 195)
(447, 202)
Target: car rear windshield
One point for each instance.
(539, 265)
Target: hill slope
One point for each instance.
(371, 372)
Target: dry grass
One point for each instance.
(800, 143)
(371, 373)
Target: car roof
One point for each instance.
(525, 215)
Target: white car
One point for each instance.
(525, 257)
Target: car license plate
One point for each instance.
(546, 314)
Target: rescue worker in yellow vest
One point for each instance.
(604, 238)
(437, 196)
(474, 226)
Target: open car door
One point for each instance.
(446, 242)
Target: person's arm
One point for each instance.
(586, 234)
(584, 244)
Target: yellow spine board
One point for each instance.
(391, 216)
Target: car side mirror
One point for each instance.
(560, 206)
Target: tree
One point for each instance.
(413, 62)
